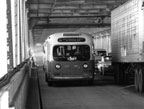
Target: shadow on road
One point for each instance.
(99, 81)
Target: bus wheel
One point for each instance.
(141, 80)
(49, 83)
(90, 82)
(136, 80)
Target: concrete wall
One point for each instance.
(18, 88)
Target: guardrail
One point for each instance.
(14, 86)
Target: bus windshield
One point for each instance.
(71, 53)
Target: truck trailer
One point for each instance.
(127, 40)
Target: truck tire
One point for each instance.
(141, 80)
(136, 82)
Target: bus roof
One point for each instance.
(69, 34)
(99, 49)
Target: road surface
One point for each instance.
(104, 94)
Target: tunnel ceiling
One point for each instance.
(69, 13)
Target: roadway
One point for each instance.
(104, 94)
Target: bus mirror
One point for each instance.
(43, 50)
(93, 52)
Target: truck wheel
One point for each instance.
(136, 82)
(141, 80)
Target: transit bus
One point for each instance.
(68, 56)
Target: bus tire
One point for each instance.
(136, 78)
(50, 83)
(141, 80)
(90, 82)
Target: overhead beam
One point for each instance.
(72, 25)
(70, 15)
(97, 2)
(38, 17)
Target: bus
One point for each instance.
(68, 56)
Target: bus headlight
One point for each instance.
(58, 66)
(85, 65)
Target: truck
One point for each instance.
(127, 41)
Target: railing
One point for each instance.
(14, 86)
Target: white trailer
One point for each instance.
(127, 39)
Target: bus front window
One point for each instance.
(71, 53)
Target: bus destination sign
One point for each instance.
(71, 40)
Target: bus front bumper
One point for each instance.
(56, 78)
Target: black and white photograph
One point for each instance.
(72, 54)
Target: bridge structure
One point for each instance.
(24, 25)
